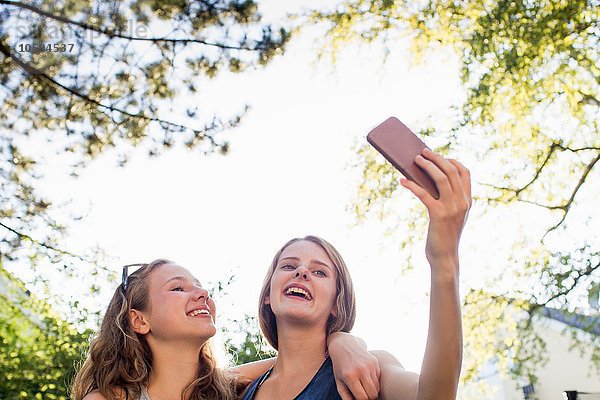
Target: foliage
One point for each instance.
(79, 79)
(243, 340)
(251, 345)
(103, 76)
(38, 349)
(531, 75)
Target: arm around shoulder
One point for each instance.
(252, 370)
(396, 382)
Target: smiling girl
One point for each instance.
(308, 294)
(154, 343)
(154, 339)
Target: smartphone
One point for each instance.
(400, 146)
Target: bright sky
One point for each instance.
(288, 174)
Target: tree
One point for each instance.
(79, 78)
(39, 350)
(250, 344)
(242, 337)
(531, 74)
(82, 78)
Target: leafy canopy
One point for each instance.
(79, 79)
(531, 75)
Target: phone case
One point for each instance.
(400, 146)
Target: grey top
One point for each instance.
(144, 395)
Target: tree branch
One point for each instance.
(589, 99)
(576, 150)
(553, 148)
(565, 207)
(114, 34)
(49, 247)
(587, 272)
(38, 73)
(538, 172)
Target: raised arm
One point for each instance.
(443, 354)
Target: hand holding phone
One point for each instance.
(400, 146)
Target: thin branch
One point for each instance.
(49, 247)
(535, 203)
(565, 207)
(588, 271)
(113, 34)
(539, 170)
(589, 99)
(553, 147)
(565, 148)
(165, 124)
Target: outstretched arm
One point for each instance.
(443, 354)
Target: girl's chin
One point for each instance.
(204, 334)
(298, 316)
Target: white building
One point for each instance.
(568, 374)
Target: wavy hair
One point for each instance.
(344, 305)
(119, 360)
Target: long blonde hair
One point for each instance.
(119, 361)
(344, 305)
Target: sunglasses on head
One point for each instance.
(125, 275)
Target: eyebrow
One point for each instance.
(313, 261)
(182, 278)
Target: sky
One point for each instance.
(288, 174)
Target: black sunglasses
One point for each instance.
(126, 275)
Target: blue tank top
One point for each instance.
(321, 387)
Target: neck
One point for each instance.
(174, 366)
(300, 348)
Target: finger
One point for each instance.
(442, 182)
(356, 389)
(375, 377)
(370, 388)
(459, 187)
(465, 176)
(343, 390)
(418, 191)
(448, 168)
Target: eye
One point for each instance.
(288, 267)
(177, 289)
(320, 272)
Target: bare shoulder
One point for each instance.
(251, 371)
(386, 359)
(396, 382)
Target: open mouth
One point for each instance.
(295, 291)
(203, 312)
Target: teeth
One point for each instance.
(300, 291)
(198, 312)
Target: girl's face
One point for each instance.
(180, 308)
(303, 285)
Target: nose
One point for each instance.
(200, 293)
(301, 272)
